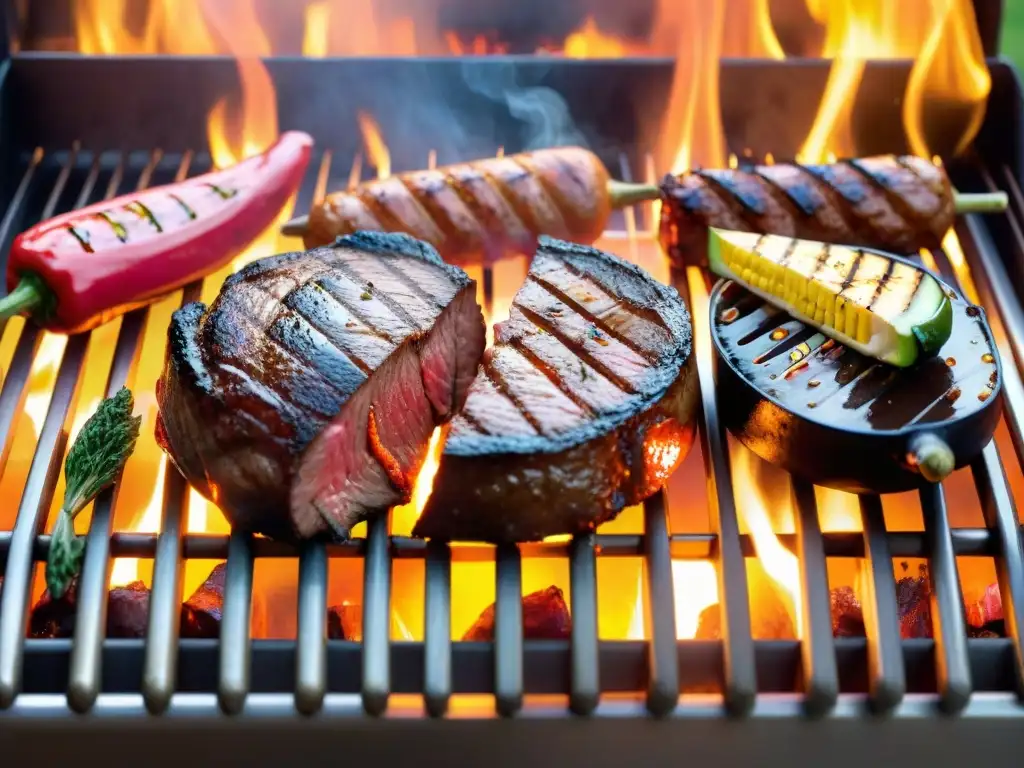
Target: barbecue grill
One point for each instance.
(79, 129)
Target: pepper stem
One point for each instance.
(31, 296)
(621, 193)
(988, 202)
(930, 455)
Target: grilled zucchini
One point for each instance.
(881, 306)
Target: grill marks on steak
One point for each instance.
(314, 381)
(583, 406)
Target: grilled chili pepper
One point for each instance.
(74, 272)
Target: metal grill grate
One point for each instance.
(310, 675)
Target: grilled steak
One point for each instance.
(583, 406)
(304, 397)
(894, 203)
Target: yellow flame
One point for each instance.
(170, 26)
(314, 38)
(126, 569)
(376, 149)
(404, 517)
(590, 42)
(855, 30)
(949, 75)
(778, 562)
(695, 583)
(42, 377)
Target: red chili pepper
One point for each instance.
(76, 271)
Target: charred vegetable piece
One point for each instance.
(74, 272)
(884, 308)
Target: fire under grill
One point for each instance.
(951, 696)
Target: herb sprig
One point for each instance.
(98, 454)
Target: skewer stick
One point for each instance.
(622, 194)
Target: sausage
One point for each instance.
(476, 211)
(893, 203)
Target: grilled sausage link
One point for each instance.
(483, 209)
(899, 204)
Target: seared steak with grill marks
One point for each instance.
(304, 397)
(584, 405)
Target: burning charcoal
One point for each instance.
(986, 609)
(912, 597)
(709, 624)
(545, 617)
(201, 614)
(982, 632)
(770, 619)
(345, 622)
(847, 616)
(127, 612)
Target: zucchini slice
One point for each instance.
(881, 306)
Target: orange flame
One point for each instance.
(171, 26)
(376, 149)
(855, 31)
(778, 562)
(404, 517)
(314, 38)
(949, 74)
(589, 42)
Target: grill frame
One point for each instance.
(103, 677)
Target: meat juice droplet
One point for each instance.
(729, 315)
(779, 334)
(988, 358)
(984, 395)
(950, 361)
(953, 395)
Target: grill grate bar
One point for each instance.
(997, 504)
(659, 609)
(160, 666)
(12, 396)
(376, 617)
(162, 626)
(585, 682)
(508, 630)
(886, 678)
(235, 645)
(311, 651)
(953, 670)
(740, 672)
(437, 610)
(91, 619)
(35, 502)
(46, 464)
(821, 677)
(90, 626)
(1000, 515)
(967, 542)
(15, 209)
